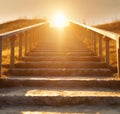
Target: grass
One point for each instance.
(9, 26)
(16, 24)
(114, 26)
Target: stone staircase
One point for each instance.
(65, 59)
(60, 72)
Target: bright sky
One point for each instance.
(91, 11)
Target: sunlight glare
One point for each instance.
(59, 21)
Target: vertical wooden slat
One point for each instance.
(94, 43)
(91, 41)
(100, 47)
(31, 35)
(38, 37)
(20, 46)
(33, 40)
(107, 51)
(12, 42)
(118, 55)
(30, 42)
(26, 42)
(0, 56)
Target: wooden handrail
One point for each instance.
(107, 35)
(13, 32)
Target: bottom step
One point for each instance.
(31, 96)
(79, 109)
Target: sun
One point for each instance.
(59, 21)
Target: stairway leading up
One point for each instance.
(60, 71)
(61, 56)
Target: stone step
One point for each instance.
(61, 58)
(57, 47)
(61, 64)
(62, 49)
(33, 96)
(61, 44)
(59, 50)
(61, 72)
(75, 109)
(56, 53)
(61, 82)
(64, 42)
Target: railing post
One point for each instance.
(0, 56)
(91, 41)
(118, 55)
(107, 51)
(32, 39)
(30, 42)
(12, 42)
(35, 38)
(20, 46)
(38, 37)
(26, 43)
(94, 43)
(100, 47)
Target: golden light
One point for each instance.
(59, 21)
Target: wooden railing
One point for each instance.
(95, 39)
(27, 36)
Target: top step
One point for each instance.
(57, 53)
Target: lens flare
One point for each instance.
(59, 21)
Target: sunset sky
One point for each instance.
(92, 11)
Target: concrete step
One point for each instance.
(56, 53)
(59, 50)
(61, 58)
(57, 46)
(61, 64)
(62, 48)
(62, 45)
(75, 109)
(64, 42)
(36, 96)
(61, 72)
(61, 82)
(55, 40)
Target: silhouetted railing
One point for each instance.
(94, 37)
(26, 35)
